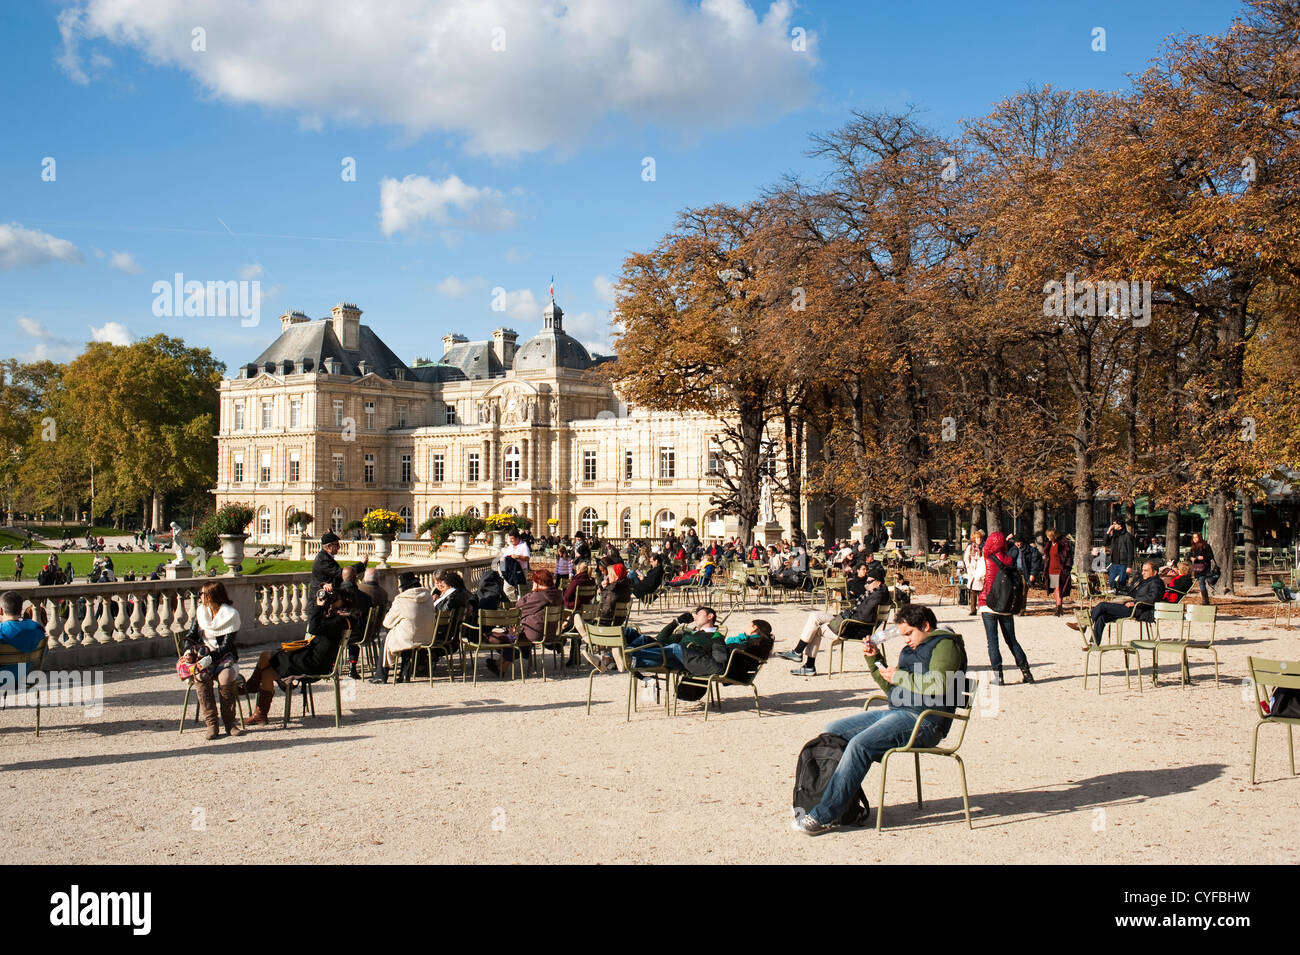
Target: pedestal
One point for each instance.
(768, 533)
(178, 572)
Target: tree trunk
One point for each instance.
(992, 519)
(1171, 534)
(976, 516)
(157, 523)
(1082, 533)
(1040, 520)
(1219, 532)
(1248, 534)
(914, 514)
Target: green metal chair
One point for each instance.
(1168, 617)
(34, 662)
(553, 640)
(306, 680)
(368, 659)
(1274, 674)
(735, 674)
(444, 644)
(1199, 614)
(601, 639)
(857, 631)
(817, 575)
(1084, 619)
(963, 714)
(1280, 590)
(837, 590)
(179, 640)
(474, 637)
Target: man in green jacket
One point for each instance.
(930, 675)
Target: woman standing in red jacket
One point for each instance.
(996, 558)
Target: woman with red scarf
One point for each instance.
(995, 558)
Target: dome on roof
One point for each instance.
(552, 348)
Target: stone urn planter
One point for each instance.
(383, 547)
(460, 542)
(232, 552)
(498, 540)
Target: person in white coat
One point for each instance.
(216, 659)
(409, 622)
(973, 558)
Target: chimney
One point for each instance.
(294, 317)
(363, 368)
(449, 340)
(503, 346)
(346, 319)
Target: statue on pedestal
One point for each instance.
(766, 510)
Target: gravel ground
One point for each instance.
(508, 772)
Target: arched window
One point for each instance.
(336, 520)
(436, 511)
(509, 510)
(627, 523)
(472, 511)
(264, 522)
(588, 520)
(513, 461)
(665, 521)
(404, 513)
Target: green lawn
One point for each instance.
(9, 540)
(64, 532)
(81, 564)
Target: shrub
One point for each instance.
(461, 522)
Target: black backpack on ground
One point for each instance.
(1008, 593)
(818, 761)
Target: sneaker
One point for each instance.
(593, 660)
(809, 826)
(791, 655)
(1072, 625)
(803, 671)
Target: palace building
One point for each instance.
(329, 421)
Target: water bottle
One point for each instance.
(886, 633)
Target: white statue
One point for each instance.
(178, 545)
(200, 563)
(766, 512)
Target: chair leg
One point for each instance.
(189, 688)
(1254, 751)
(1290, 740)
(880, 806)
(590, 676)
(631, 692)
(338, 703)
(756, 709)
(917, 758)
(965, 799)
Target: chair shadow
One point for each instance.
(992, 808)
(241, 745)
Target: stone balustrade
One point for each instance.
(96, 624)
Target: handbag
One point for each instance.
(1212, 578)
(292, 645)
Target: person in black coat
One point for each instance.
(361, 605)
(1146, 594)
(491, 593)
(329, 623)
(325, 569)
(651, 579)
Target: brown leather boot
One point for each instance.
(207, 707)
(263, 710)
(228, 716)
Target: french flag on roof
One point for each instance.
(552, 288)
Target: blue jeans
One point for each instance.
(669, 656)
(1117, 574)
(1007, 623)
(870, 735)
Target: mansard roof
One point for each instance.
(315, 342)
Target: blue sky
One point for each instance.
(496, 143)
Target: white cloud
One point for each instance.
(124, 262)
(604, 288)
(49, 347)
(429, 65)
(113, 332)
(405, 203)
(453, 287)
(19, 247)
(522, 305)
(590, 328)
(32, 327)
(515, 256)
(253, 270)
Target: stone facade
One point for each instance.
(329, 421)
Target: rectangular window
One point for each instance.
(715, 457)
(438, 469)
(338, 412)
(266, 416)
(471, 466)
(370, 416)
(401, 415)
(767, 459)
(406, 469)
(369, 474)
(338, 469)
(451, 414)
(295, 413)
(667, 461)
(239, 416)
(264, 474)
(627, 466)
(589, 465)
(294, 466)
(237, 475)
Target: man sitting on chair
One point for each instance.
(672, 640)
(1146, 594)
(817, 623)
(930, 675)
